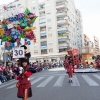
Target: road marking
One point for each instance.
(75, 81)
(35, 81)
(59, 82)
(89, 80)
(0, 82)
(52, 75)
(7, 84)
(10, 87)
(97, 76)
(44, 83)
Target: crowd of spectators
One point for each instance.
(9, 72)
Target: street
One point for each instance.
(53, 85)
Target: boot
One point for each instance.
(69, 81)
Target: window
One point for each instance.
(35, 51)
(42, 20)
(41, 6)
(42, 14)
(44, 51)
(42, 28)
(62, 50)
(43, 35)
(51, 50)
(44, 43)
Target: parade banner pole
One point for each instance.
(4, 57)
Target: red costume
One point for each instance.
(24, 85)
(70, 69)
(66, 64)
(98, 63)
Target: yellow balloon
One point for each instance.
(29, 29)
(1, 31)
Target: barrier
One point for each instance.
(86, 70)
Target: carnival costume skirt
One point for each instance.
(24, 92)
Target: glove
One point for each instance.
(32, 70)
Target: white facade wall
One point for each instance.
(56, 15)
(79, 29)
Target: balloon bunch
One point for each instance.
(27, 42)
(19, 26)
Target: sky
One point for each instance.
(90, 10)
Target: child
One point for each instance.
(24, 84)
(70, 70)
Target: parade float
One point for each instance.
(17, 26)
(83, 63)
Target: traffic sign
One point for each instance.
(18, 52)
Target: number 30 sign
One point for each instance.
(18, 52)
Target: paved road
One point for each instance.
(53, 85)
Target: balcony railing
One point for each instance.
(60, 4)
(42, 22)
(62, 18)
(59, 0)
(62, 40)
(42, 29)
(44, 47)
(41, 15)
(61, 14)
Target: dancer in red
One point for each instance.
(24, 85)
(70, 70)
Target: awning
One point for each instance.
(62, 31)
(62, 40)
(59, 0)
(43, 34)
(43, 47)
(63, 47)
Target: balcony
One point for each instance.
(62, 40)
(42, 7)
(43, 47)
(44, 51)
(43, 35)
(59, 1)
(61, 22)
(61, 29)
(60, 5)
(61, 14)
(62, 32)
(43, 29)
(42, 14)
(63, 48)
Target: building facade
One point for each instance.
(88, 42)
(58, 28)
(79, 29)
(96, 45)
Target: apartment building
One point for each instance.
(58, 28)
(79, 29)
(96, 45)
